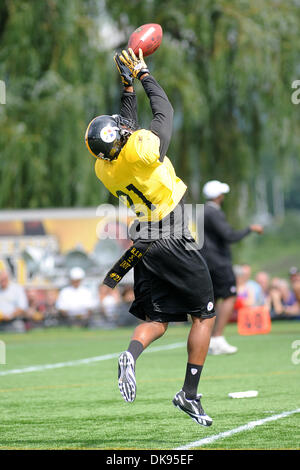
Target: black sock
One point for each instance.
(135, 348)
(191, 381)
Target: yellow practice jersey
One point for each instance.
(140, 180)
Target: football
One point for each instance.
(147, 37)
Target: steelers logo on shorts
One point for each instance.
(210, 306)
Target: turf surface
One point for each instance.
(80, 407)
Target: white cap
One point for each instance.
(214, 188)
(77, 274)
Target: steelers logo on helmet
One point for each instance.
(108, 134)
(103, 138)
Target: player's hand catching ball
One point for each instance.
(124, 71)
(136, 65)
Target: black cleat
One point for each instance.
(192, 407)
(126, 376)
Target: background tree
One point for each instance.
(227, 66)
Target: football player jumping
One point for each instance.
(171, 278)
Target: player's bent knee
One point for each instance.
(162, 327)
(206, 321)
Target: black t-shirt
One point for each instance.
(218, 235)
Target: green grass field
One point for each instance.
(79, 406)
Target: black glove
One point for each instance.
(124, 71)
(135, 64)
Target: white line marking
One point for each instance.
(88, 360)
(231, 432)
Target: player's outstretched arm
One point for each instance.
(128, 99)
(225, 231)
(162, 110)
(125, 73)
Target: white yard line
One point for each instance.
(88, 360)
(231, 432)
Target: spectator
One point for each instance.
(128, 294)
(51, 311)
(294, 274)
(35, 310)
(296, 288)
(241, 293)
(253, 288)
(75, 302)
(109, 303)
(245, 290)
(13, 303)
(283, 299)
(263, 279)
(127, 297)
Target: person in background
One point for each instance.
(75, 302)
(35, 310)
(283, 300)
(241, 294)
(13, 303)
(218, 236)
(263, 279)
(109, 303)
(253, 288)
(249, 292)
(294, 274)
(245, 290)
(127, 297)
(51, 312)
(295, 282)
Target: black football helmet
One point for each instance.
(106, 135)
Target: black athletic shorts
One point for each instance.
(172, 281)
(224, 282)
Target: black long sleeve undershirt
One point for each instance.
(129, 106)
(219, 225)
(162, 110)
